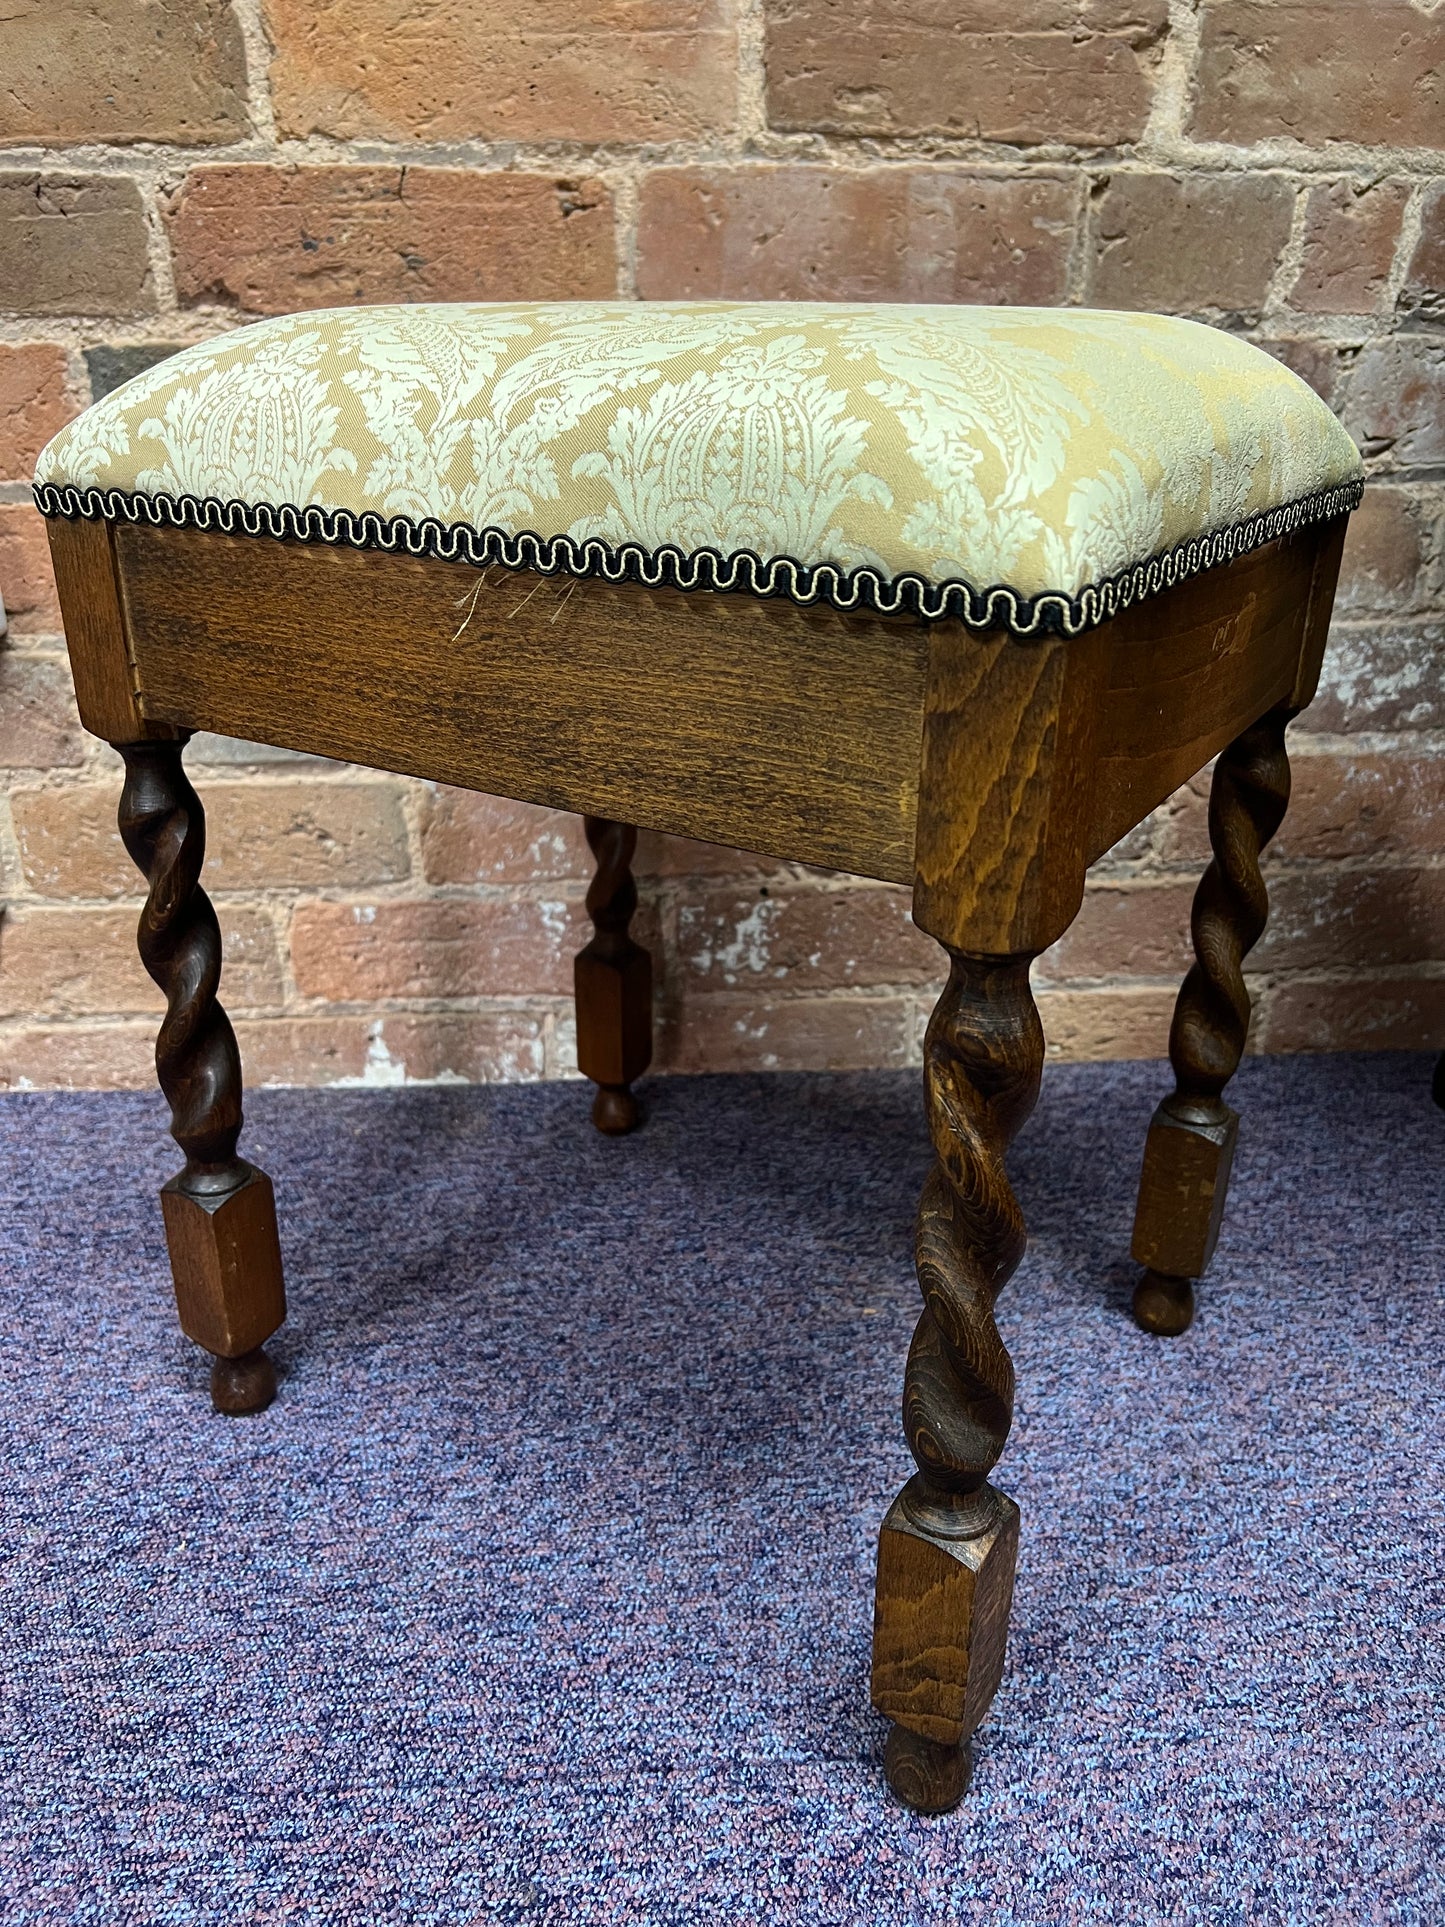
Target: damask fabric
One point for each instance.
(1023, 468)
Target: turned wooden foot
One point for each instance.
(926, 1776)
(1164, 1305)
(613, 978)
(1190, 1149)
(220, 1211)
(242, 1385)
(615, 1110)
(949, 1545)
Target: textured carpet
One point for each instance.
(543, 1592)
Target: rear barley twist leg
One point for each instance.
(1190, 1149)
(220, 1214)
(949, 1544)
(613, 978)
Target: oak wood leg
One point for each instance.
(1190, 1148)
(949, 1543)
(220, 1214)
(613, 978)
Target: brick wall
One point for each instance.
(1274, 166)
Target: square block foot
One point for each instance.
(940, 1622)
(1182, 1191)
(614, 1015)
(226, 1264)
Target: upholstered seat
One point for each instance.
(1030, 469)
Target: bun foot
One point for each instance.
(926, 1776)
(1164, 1305)
(615, 1111)
(242, 1385)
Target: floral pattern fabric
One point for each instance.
(809, 449)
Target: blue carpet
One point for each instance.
(543, 1592)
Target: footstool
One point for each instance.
(950, 597)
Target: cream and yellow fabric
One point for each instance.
(1028, 468)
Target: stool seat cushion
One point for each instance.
(1029, 469)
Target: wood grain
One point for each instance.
(82, 554)
(1190, 1149)
(947, 1551)
(987, 771)
(220, 1215)
(760, 725)
(226, 1263)
(1038, 757)
(940, 1625)
(1188, 673)
(612, 980)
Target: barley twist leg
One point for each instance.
(219, 1211)
(1190, 1151)
(949, 1544)
(613, 983)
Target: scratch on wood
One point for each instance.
(471, 602)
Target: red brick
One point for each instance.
(1181, 825)
(1321, 364)
(782, 1033)
(473, 1047)
(1380, 677)
(536, 70)
(1351, 229)
(1362, 1013)
(273, 239)
(1328, 919)
(442, 947)
(1383, 554)
(259, 836)
(60, 963)
(682, 856)
(1188, 244)
(35, 402)
(79, 1056)
(1352, 805)
(1364, 806)
(470, 838)
(913, 234)
(1105, 1021)
(1321, 70)
(1008, 70)
(73, 244)
(39, 728)
(1424, 290)
(27, 582)
(123, 70)
(1357, 804)
(1125, 930)
(302, 1050)
(1396, 401)
(804, 939)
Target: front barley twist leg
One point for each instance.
(949, 1544)
(613, 978)
(1190, 1149)
(220, 1213)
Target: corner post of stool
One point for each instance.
(613, 981)
(999, 868)
(1189, 1153)
(220, 1212)
(949, 1543)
